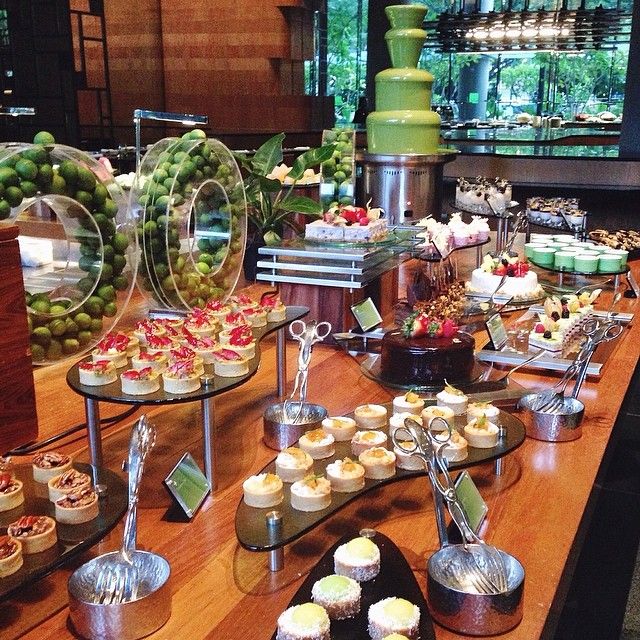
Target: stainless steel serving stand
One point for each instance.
(334, 265)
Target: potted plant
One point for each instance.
(272, 205)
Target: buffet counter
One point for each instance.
(223, 591)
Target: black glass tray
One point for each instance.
(113, 392)
(395, 579)
(251, 528)
(72, 539)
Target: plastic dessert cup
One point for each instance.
(608, 263)
(564, 260)
(623, 253)
(585, 263)
(544, 256)
(556, 245)
(530, 247)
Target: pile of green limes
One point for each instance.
(191, 190)
(57, 329)
(337, 171)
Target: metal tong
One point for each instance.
(485, 566)
(307, 335)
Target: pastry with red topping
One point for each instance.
(67, 482)
(35, 533)
(275, 308)
(203, 347)
(160, 344)
(10, 556)
(257, 317)
(240, 339)
(217, 309)
(140, 382)
(234, 319)
(201, 324)
(77, 507)
(48, 465)
(242, 301)
(229, 363)
(158, 361)
(148, 327)
(181, 377)
(96, 373)
(11, 493)
(112, 347)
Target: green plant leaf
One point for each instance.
(300, 204)
(310, 158)
(268, 155)
(268, 185)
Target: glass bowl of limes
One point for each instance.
(190, 208)
(78, 247)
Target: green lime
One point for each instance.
(37, 154)
(85, 284)
(42, 336)
(207, 171)
(339, 176)
(168, 184)
(119, 263)
(163, 158)
(10, 161)
(100, 194)
(9, 177)
(70, 345)
(37, 352)
(173, 170)
(43, 137)
(26, 169)
(107, 292)
(110, 309)
(143, 200)
(198, 134)
(69, 171)
(85, 199)
(164, 166)
(161, 270)
(57, 327)
(207, 258)
(168, 283)
(96, 324)
(162, 202)
(107, 273)
(198, 176)
(179, 157)
(5, 209)
(180, 264)
(28, 188)
(14, 196)
(160, 175)
(203, 267)
(186, 171)
(101, 220)
(199, 161)
(120, 283)
(54, 352)
(94, 306)
(84, 337)
(108, 253)
(203, 244)
(58, 185)
(150, 228)
(161, 221)
(72, 327)
(83, 320)
(86, 179)
(108, 207)
(57, 309)
(45, 175)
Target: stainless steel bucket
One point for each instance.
(471, 613)
(281, 432)
(127, 620)
(560, 426)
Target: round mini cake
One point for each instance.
(97, 373)
(342, 429)
(229, 363)
(370, 416)
(10, 556)
(393, 615)
(425, 352)
(140, 382)
(364, 440)
(345, 476)
(313, 493)
(257, 317)
(477, 409)
(48, 465)
(358, 559)
(378, 463)
(77, 507)
(453, 399)
(339, 595)
(397, 420)
(481, 434)
(11, 492)
(112, 347)
(181, 377)
(405, 460)
(306, 621)
(70, 481)
(317, 443)
(455, 448)
(435, 411)
(273, 305)
(157, 361)
(240, 339)
(263, 490)
(293, 464)
(410, 402)
(35, 533)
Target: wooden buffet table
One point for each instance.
(223, 592)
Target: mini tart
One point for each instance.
(97, 372)
(10, 556)
(140, 382)
(455, 449)
(234, 319)
(230, 364)
(393, 615)
(378, 463)
(407, 461)
(77, 507)
(205, 328)
(11, 492)
(36, 533)
(293, 464)
(457, 402)
(186, 354)
(157, 361)
(263, 490)
(276, 313)
(358, 559)
(118, 358)
(345, 475)
(397, 419)
(70, 481)
(370, 416)
(311, 494)
(364, 440)
(408, 403)
(181, 377)
(257, 317)
(342, 429)
(146, 328)
(481, 434)
(318, 444)
(306, 621)
(205, 350)
(133, 345)
(339, 595)
(49, 465)
(240, 339)
(476, 409)
(436, 411)
(160, 344)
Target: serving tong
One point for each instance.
(482, 566)
(307, 335)
(118, 581)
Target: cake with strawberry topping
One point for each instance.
(148, 327)
(520, 284)
(97, 373)
(160, 344)
(426, 351)
(346, 223)
(140, 382)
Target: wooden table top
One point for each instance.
(223, 591)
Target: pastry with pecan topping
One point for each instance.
(11, 494)
(36, 533)
(68, 482)
(77, 507)
(48, 465)
(10, 556)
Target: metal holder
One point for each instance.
(280, 433)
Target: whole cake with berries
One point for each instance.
(521, 283)
(426, 351)
(346, 223)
